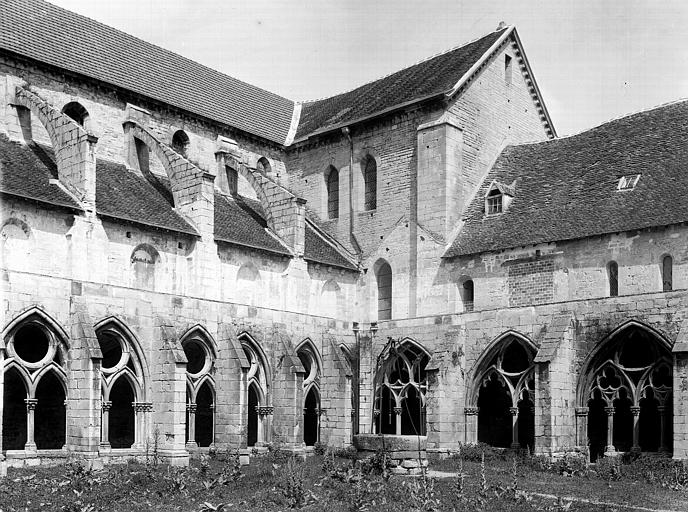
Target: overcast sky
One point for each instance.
(593, 59)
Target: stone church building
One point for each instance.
(191, 259)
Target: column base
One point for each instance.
(191, 445)
(30, 447)
(635, 449)
(515, 446)
(175, 457)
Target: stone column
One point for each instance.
(31, 404)
(105, 425)
(610, 430)
(397, 411)
(635, 410)
(471, 425)
(191, 415)
(661, 409)
(582, 426)
(141, 412)
(212, 439)
(514, 428)
(376, 422)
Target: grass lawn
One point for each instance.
(272, 483)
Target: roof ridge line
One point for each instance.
(603, 123)
(426, 59)
(74, 13)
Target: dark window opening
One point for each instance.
(252, 430)
(311, 418)
(121, 416)
(50, 415)
(111, 349)
(667, 274)
(180, 142)
(613, 273)
(494, 414)
(232, 180)
(333, 193)
(507, 69)
(597, 427)
(263, 166)
(204, 416)
(370, 182)
(13, 412)
(76, 112)
(467, 295)
(31, 343)
(384, 292)
(196, 357)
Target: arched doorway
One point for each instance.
(121, 419)
(200, 388)
(400, 390)
(310, 360)
(257, 397)
(35, 390)
(626, 391)
(504, 392)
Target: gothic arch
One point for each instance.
(589, 361)
(42, 316)
(400, 389)
(257, 397)
(201, 332)
(502, 392)
(114, 324)
(624, 392)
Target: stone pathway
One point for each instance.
(447, 474)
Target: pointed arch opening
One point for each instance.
(667, 273)
(504, 391)
(35, 387)
(200, 352)
(401, 385)
(312, 364)
(123, 385)
(370, 183)
(626, 385)
(257, 397)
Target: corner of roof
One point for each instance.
(294, 125)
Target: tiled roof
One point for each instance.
(434, 76)
(567, 188)
(240, 221)
(318, 250)
(125, 195)
(61, 38)
(26, 171)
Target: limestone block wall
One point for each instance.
(572, 270)
(456, 342)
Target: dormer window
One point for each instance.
(494, 202)
(628, 182)
(498, 198)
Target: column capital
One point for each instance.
(582, 411)
(376, 413)
(106, 405)
(142, 406)
(661, 408)
(513, 411)
(635, 410)
(610, 410)
(31, 403)
(191, 408)
(471, 411)
(264, 410)
(397, 411)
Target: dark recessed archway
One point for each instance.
(13, 411)
(204, 415)
(50, 415)
(121, 417)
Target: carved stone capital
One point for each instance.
(191, 408)
(471, 411)
(31, 403)
(142, 406)
(397, 411)
(635, 410)
(106, 405)
(582, 411)
(610, 410)
(513, 411)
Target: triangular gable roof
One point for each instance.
(43, 32)
(568, 188)
(440, 76)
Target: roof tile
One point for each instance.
(567, 188)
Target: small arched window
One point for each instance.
(332, 182)
(667, 273)
(370, 181)
(384, 291)
(263, 166)
(180, 142)
(613, 276)
(77, 112)
(143, 261)
(467, 295)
